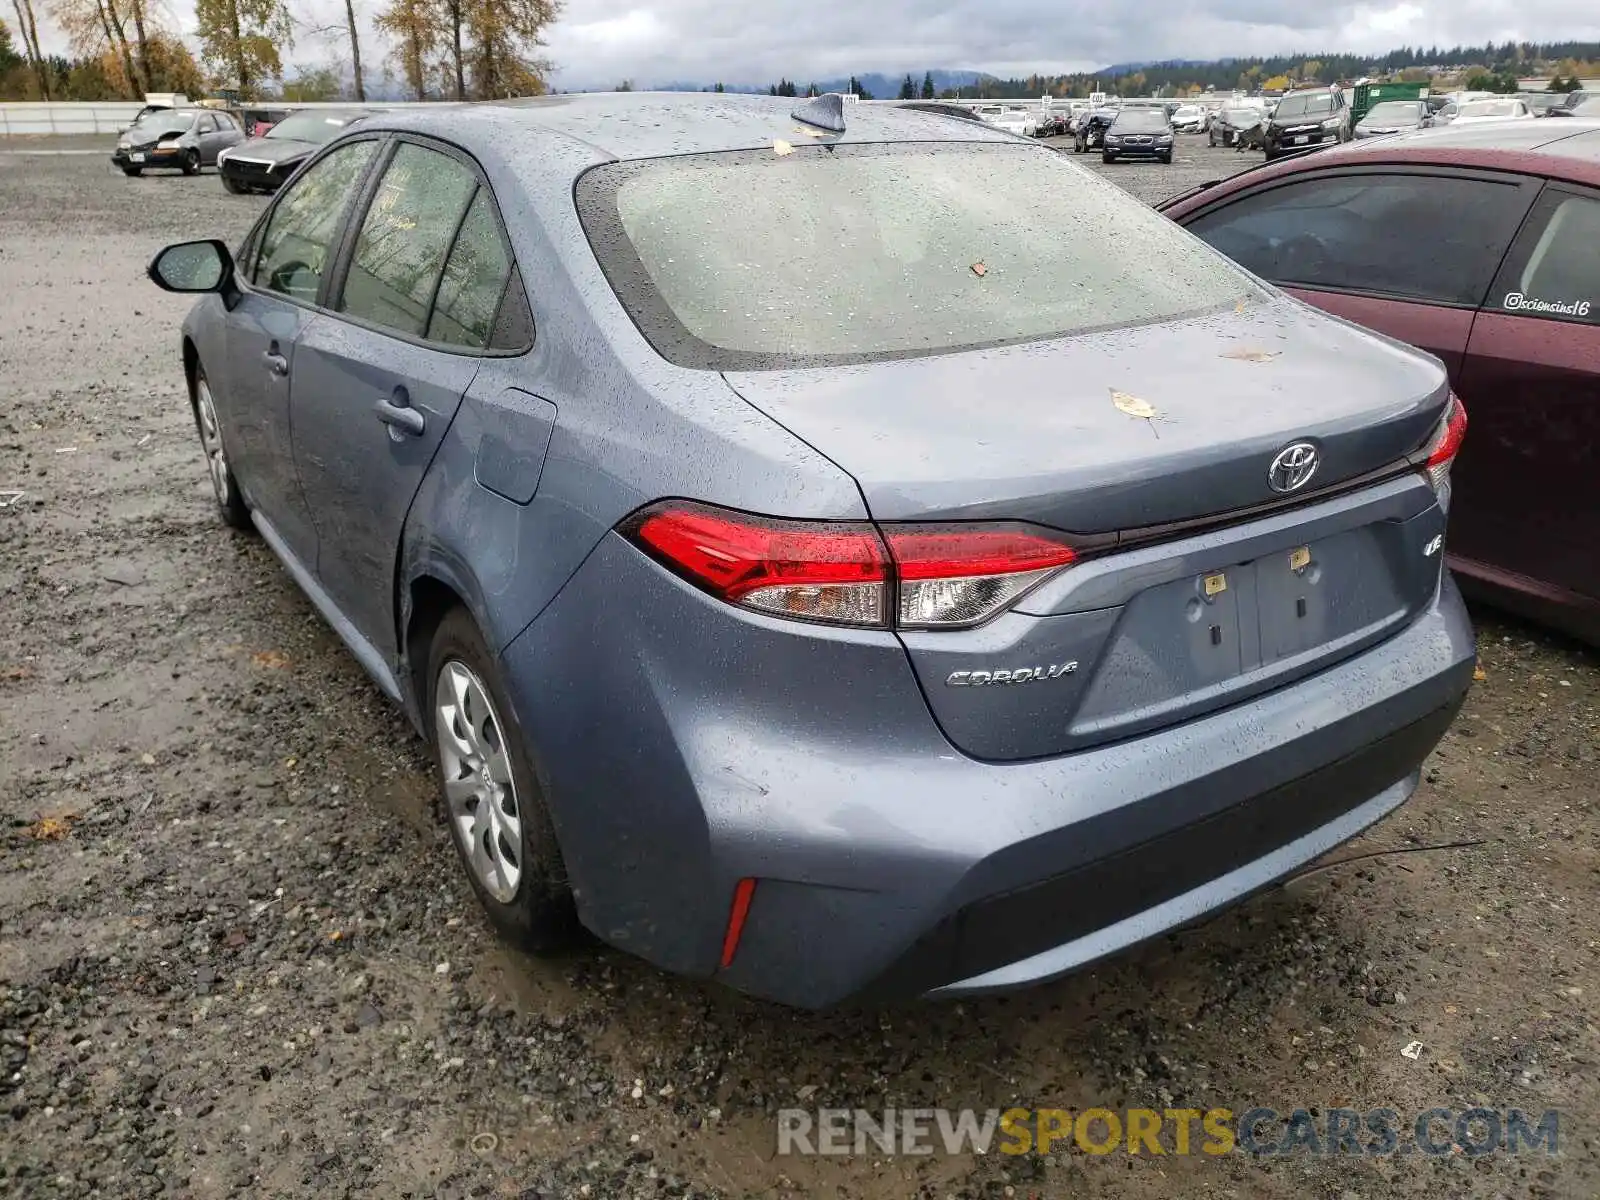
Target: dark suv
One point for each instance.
(1307, 119)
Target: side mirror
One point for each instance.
(193, 267)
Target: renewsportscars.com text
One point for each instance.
(1171, 1131)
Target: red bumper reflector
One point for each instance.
(745, 889)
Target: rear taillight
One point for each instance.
(955, 575)
(850, 573)
(816, 571)
(1446, 443)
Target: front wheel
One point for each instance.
(191, 162)
(496, 812)
(1167, 158)
(229, 186)
(131, 172)
(1108, 158)
(230, 502)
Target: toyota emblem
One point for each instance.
(1293, 467)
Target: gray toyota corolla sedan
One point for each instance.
(807, 574)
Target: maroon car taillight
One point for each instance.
(1446, 442)
(850, 573)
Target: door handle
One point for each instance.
(276, 363)
(402, 418)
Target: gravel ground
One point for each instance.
(237, 955)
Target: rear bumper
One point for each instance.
(691, 745)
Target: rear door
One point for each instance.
(1408, 252)
(379, 379)
(282, 272)
(1527, 493)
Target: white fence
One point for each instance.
(66, 117)
(111, 116)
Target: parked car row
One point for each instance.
(190, 139)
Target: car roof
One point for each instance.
(628, 125)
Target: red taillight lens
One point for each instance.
(844, 573)
(816, 571)
(955, 575)
(1446, 443)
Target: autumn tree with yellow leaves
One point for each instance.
(240, 40)
(474, 49)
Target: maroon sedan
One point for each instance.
(1482, 245)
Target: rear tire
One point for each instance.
(491, 793)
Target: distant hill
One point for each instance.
(882, 87)
(1116, 69)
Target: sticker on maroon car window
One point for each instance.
(1518, 302)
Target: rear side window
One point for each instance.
(1554, 272)
(1435, 238)
(405, 237)
(297, 245)
(474, 279)
(754, 259)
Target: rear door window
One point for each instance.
(1553, 273)
(298, 243)
(405, 237)
(1431, 237)
(474, 279)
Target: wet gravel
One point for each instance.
(237, 956)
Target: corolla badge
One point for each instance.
(1014, 675)
(1293, 467)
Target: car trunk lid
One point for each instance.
(1154, 445)
(1052, 432)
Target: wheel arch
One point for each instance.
(431, 585)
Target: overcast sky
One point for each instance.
(598, 43)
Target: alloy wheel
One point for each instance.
(211, 441)
(478, 786)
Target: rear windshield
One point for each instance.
(1396, 111)
(827, 254)
(1491, 108)
(1310, 104)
